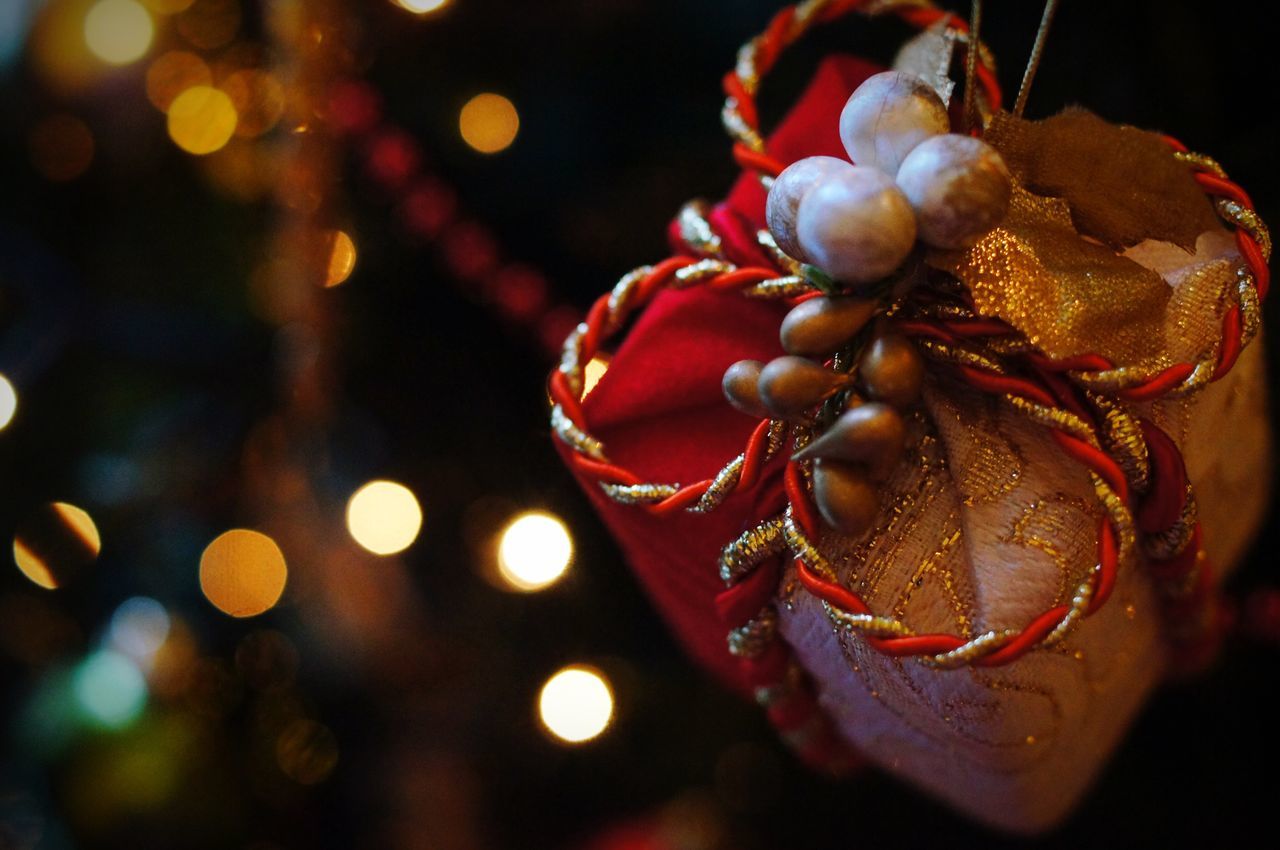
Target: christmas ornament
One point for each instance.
(1002, 425)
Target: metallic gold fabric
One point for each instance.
(1068, 295)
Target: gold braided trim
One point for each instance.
(639, 494)
(1202, 162)
(1122, 439)
(958, 356)
(573, 436)
(696, 231)
(752, 548)
(753, 638)
(1247, 220)
(1174, 539)
(779, 287)
(781, 258)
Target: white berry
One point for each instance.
(856, 225)
(785, 195)
(958, 186)
(887, 116)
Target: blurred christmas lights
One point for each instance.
(576, 704)
(421, 7)
(138, 629)
(55, 543)
(384, 517)
(8, 402)
(172, 73)
(534, 551)
(118, 31)
(593, 372)
(110, 689)
(489, 123)
(61, 147)
(342, 258)
(258, 99)
(209, 24)
(306, 751)
(202, 120)
(243, 573)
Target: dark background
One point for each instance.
(125, 323)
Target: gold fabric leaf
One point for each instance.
(1122, 184)
(1067, 294)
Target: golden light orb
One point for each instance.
(202, 120)
(384, 517)
(243, 573)
(306, 751)
(421, 7)
(576, 704)
(55, 543)
(259, 100)
(489, 123)
(8, 402)
(118, 31)
(593, 372)
(173, 73)
(342, 258)
(534, 551)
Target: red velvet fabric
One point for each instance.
(659, 407)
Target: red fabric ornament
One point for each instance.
(661, 411)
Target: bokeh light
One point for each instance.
(61, 147)
(109, 689)
(202, 120)
(593, 372)
(243, 573)
(209, 24)
(384, 517)
(342, 257)
(173, 73)
(534, 551)
(422, 7)
(138, 629)
(576, 704)
(258, 98)
(306, 751)
(489, 123)
(8, 402)
(118, 31)
(54, 544)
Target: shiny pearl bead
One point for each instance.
(821, 326)
(873, 435)
(887, 116)
(789, 386)
(856, 225)
(741, 387)
(959, 187)
(891, 370)
(784, 198)
(847, 500)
